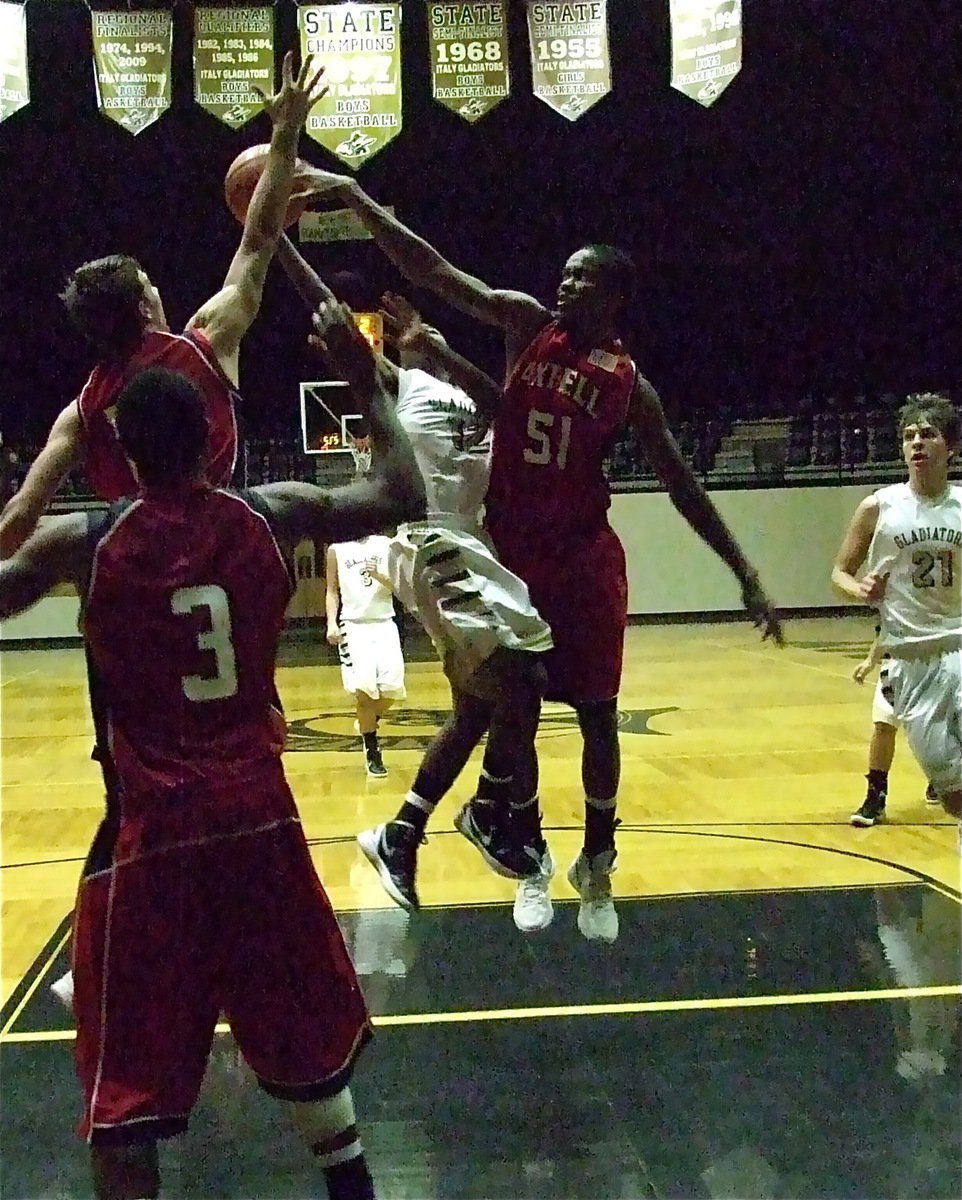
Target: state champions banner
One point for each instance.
(706, 47)
(233, 55)
(132, 65)
(359, 46)
(570, 63)
(14, 76)
(469, 57)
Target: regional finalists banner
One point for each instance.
(233, 55)
(570, 64)
(469, 57)
(359, 46)
(706, 47)
(14, 78)
(132, 65)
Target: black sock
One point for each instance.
(370, 740)
(878, 785)
(526, 822)
(493, 789)
(350, 1180)
(415, 811)
(599, 828)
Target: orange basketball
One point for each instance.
(241, 179)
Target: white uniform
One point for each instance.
(370, 651)
(444, 568)
(918, 544)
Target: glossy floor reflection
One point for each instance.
(727, 1046)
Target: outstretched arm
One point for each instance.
(403, 325)
(228, 315)
(518, 314)
(64, 448)
(392, 491)
(57, 553)
(694, 504)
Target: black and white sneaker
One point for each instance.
(479, 824)
(871, 813)
(392, 850)
(374, 763)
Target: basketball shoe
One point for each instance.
(479, 823)
(392, 850)
(591, 879)
(533, 910)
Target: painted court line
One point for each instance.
(591, 1010)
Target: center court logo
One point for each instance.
(414, 728)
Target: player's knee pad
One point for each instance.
(327, 1125)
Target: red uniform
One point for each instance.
(190, 354)
(209, 903)
(548, 499)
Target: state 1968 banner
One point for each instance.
(132, 65)
(706, 47)
(233, 54)
(570, 65)
(469, 57)
(14, 79)
(359, 46)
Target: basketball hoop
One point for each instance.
(360, 449)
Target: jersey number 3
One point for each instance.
(215, 640)
(539, 423)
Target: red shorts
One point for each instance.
(584, 598)
(165, 944)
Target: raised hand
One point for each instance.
(761, 611)
(403, 326)
(289, 107)
(313, 181)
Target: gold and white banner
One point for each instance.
(469, 57)
(132, 65)
(570, 63)
(14, 77)
(359, 46)
(706, 47)
(233, 54)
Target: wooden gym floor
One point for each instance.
(779, 1018)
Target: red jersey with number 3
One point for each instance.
(562, 411)
(108, 471)
(183, 614)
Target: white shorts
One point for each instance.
(927, 699)
(470, 605)
(882, 711)
(371, 659)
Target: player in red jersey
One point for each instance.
(119, 312)
(121, 316)
(207, 900)
(571, 390)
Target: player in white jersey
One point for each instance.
(360, 622)
(478, 614)
(909, 537)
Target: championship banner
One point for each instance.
(706, 47)
(469, 57)
(570, 64)
(132, 65)
(334, 225)
(233, 53)
(14, 79)
(359, 46)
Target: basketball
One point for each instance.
(241, 179)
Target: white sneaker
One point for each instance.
(591, 879)
(63, 989)
(532, 904)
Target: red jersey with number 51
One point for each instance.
(561, 414)
(107, 469)
(183, 613)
